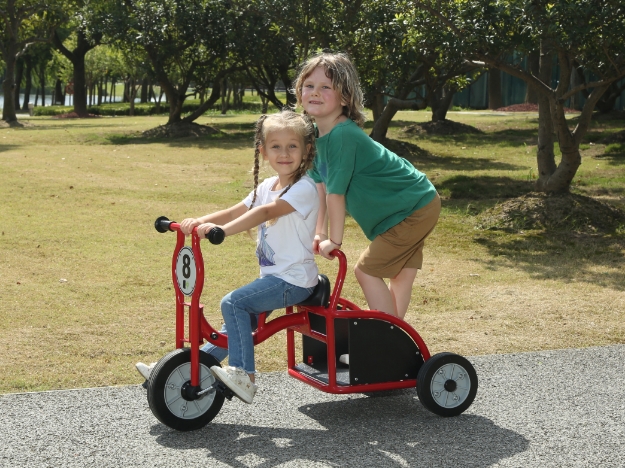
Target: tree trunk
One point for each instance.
(144, 90)
(608, 100)
(19, 75)
(224, 92)
(533, 65)
(440, 101)
(42, 79)
(545, 156)
(158, 102)
(100, 87)
(59, 96)
(132, 95)
(125, 95)
(380, 127)
(574, 101)
(212, 99)
(495, 100)
(29, 82)
(77, 57)
(8, 88)
(377, 106)
(558, 179)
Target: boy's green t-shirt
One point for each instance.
(381, 189)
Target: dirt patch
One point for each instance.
(75, 115)
(531, 108)
(441, 127)
(15, 124)
(181, 130)
(407, 150)
(565, 212)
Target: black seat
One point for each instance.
(321, 295)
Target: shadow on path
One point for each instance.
(390, 431)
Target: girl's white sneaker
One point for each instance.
(144, 369)
(236, 380)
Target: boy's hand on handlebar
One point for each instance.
(203, 229)
(317, 240)
(325, 247)
(187, 225)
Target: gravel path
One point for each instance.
(547, 409)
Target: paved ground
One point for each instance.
(548, 409)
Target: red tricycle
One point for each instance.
(385, 353)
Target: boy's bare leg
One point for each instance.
(376, 292)
(401, 290)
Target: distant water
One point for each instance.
(68, 100)
(32, 99)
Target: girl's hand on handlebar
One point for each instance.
(187, 225)
(203, 229)
(316, 241)
(325, 247)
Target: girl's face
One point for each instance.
(285, 151)
(319, 98)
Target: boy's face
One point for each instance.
(319, 98)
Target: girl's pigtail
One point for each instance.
(258, 142)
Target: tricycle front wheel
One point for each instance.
(166, 397)
(447, 384)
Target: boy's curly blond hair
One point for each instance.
(340, 69)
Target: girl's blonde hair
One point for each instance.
(340, 69)
(286, 119)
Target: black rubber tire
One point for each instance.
(457, 373)
(175, 367)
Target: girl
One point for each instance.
(396, 206)
(284, 208)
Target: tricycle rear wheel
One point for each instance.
(447, 384)
(165, 396)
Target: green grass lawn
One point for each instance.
(85, 283)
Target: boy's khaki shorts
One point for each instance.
(402, 245)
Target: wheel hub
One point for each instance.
(181, 397)
(450, 385)
(188, 391)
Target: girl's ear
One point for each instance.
(308, 147)
(262, 151)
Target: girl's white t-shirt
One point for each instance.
(284, 249)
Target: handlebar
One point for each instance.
(162, 224)
(216, 236)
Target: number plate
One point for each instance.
(185, 271)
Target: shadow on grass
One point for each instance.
(614, 154)
(557, 255)
(483, 187)
(4, 147)
(424, 160)
(223, 140)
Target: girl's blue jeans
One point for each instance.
(240, 310)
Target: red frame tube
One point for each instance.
(299, 321)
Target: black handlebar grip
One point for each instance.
(216, 235)
(162, 224)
